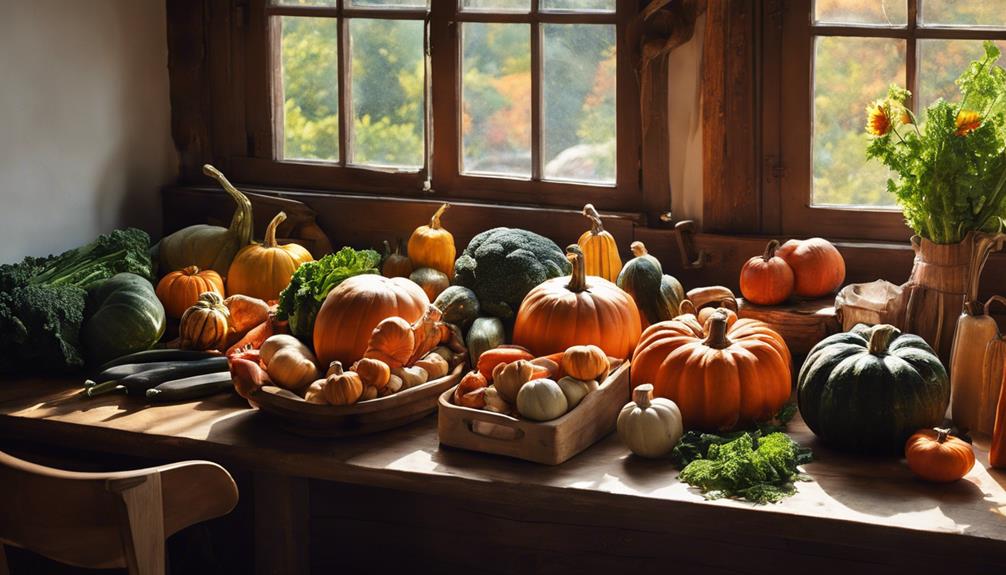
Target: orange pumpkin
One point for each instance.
(504, 354)
(720, 376)
(935, 455)
(353, 309)
(767, 279)
(396, 264)
(263, 270)
(577, 310)
(432, 246)
(600, 251)
(179, 290)
(818, 267)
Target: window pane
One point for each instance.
(964, 12)
(500, 5)
(496, 99)
(310, 63)
(389, 93)
(585, 5)
(869, 12)
(940, 63)
(305, 2)
(389, 3)
(578, 89)
(849, 73)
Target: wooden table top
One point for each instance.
(874, 495)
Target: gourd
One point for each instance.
(396, 264)
(818, 268)
(122, 316)
(373, 372)
(353, 309)
(488, 361)
(935, 455)
(246, 313)
(263, 270)
(997, 450)
(767, 279)
(585, 362)
(657, 295)
(975, 373)
(435, 365)
(342, 387)
(209, 247)
(869, 389)
(470, 391)
(316, 393)
(411, 376)
(494, 401)
(392, 342)
(541, 400)
(649, 426)
(432, 246)
(459, 305)
(600, 251)
(289, 363)
(485, 333)
(745, 367)
(179, 290)
(432, 281)
(508, 378)
(576, 389)
(205, 324)
(575, 310)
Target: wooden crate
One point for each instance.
(549, 442)
(801, 324)
(303, 418)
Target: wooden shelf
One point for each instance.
(802, 323)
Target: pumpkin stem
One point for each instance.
(941, 434)
(596, 227)
(270, 232)
(686, 306)
(334, 368)
(642, 395)
(717, 338)
(880, 339)
(190, 270)
(578, 279)
(435, 220)
(770, 250)
(638, 249)
(387, 249)
(241, 221)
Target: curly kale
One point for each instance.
(502, 265)
(42, 300)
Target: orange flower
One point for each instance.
(906, 118)
(967, 122)
(878, 119)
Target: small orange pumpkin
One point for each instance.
(396, 264)
(504, 354)
(585, 362)
(767, 279)
(392, 342)
(373, 372)
(205, 324)
(263, 270)
(470, 392)
(179, 290)
(432, 246)
(935, 455)
(600, 251)
(818, 267)
(577, 310)
(342, 387)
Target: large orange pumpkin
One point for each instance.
(352, 310)
(577, 310)
(179, 290)
(721, 376)
(818, 267)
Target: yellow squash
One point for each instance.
(263, 270)
(599, 248)
(432, 246)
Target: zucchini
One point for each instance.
(127, 369)
(189, 388)
(152, 355)
(139, 383)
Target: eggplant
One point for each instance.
(139, 383)
(189, 388)
(158, 355)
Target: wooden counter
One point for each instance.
(603, 508)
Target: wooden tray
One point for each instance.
(549, 442)
(313, 420)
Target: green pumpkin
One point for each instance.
(459, 305)
(123, 316)
(657, 295)
(486, 333)
(869, 389)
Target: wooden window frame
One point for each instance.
(787, 207)
(246, 143)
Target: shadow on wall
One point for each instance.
(85, 141)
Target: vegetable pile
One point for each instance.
(43, 300)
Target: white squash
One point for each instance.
(576, 389)
(649, 426)
(541, 400)
(289, 363)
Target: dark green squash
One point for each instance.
(869, 389)
(123, 316)
(657, 295)
(486, 333)
(459, 305)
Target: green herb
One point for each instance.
(300, 301)
(951, 170)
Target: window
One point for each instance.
(837, 57)
(512, 100)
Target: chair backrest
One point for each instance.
(102, 520)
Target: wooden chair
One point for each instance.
(107, 520)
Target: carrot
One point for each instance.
(254, 337)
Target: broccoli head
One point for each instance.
(502, 265)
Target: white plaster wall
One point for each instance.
(85, 127)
